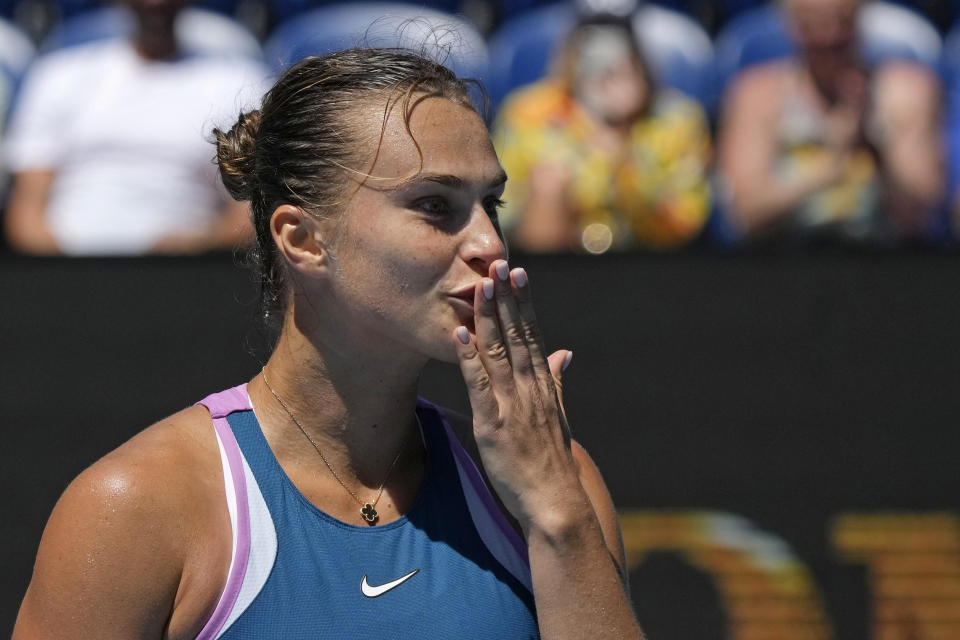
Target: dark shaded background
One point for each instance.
(784, 388)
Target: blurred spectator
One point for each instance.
(823, 145)
(599, 157)
(108, 145)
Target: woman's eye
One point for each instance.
(433, 206)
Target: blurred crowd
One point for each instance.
(622, 125)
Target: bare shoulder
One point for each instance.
(121, 551)
(903, 85)
(757, 85)
(752, 106)
(901, 74)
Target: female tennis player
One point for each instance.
(323, 499)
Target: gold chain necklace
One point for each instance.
(368, 510)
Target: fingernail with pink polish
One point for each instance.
(567, 360)
(463, 335)
(487, 285)
(503, 270)
(520, 277)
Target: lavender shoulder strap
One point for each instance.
(220, 406)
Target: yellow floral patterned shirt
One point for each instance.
(654, 195)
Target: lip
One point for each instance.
(466, 293)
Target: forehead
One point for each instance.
(819, 6)
(450, 138)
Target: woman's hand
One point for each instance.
(525, 447)
(518, 419)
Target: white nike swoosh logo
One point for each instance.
(372, 592)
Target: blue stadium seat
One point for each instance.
(521, 49)
(951, 54)
(887, 31)
(226, 7)
(509, 9)
(16, 49)
(16, 53)
(284, 10)
(732, 8)
(88, 26)
(724, 9)
(71, 8)
(678, 48)
(339, 26)
(891, 31)
(951, 58)
(755, 36)
(201, 30)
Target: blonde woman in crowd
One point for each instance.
(599, 157)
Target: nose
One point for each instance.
(482, 242)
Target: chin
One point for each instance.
(444, 350)
(450, 357)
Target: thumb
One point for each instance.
(558, 362)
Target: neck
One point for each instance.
(827, 74)
(358, 408)
(155, 38)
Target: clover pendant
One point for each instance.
(369, 513)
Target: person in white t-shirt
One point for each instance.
(108, 151)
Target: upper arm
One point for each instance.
(747, 139)
(25, 221)
(107, 566)
(907, 117)
(908, 107)
(33, 148)
(139, 544)
(45, 107)
(30, 191)
(596, 490)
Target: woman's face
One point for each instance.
(413, 241)
(824, 27)
(607, 79)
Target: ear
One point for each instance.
(299, 239)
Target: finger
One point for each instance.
(491, 344)
(511, 326)
(531, 330)
(482, 400)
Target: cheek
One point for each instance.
(382, 273)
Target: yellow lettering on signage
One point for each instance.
(913, 567)
(765, 590)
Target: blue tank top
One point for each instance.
(428, 574)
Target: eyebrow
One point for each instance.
(446, 180)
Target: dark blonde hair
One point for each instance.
(299, 146)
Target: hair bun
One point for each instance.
(236, 152)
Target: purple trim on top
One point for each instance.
(483, 491)
(223, 403)
(220, 402)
